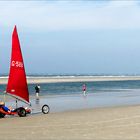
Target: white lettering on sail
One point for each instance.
(17, 64)
(12, 90)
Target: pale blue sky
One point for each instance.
(73, 37)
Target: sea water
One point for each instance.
(69, 95)
(73, 88)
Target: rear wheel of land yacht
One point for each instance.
(22, 112)
(2, 115)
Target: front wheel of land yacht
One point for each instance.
(45, 109)
(21, 112)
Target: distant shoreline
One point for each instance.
(58, 79)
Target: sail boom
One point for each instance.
(19, 98)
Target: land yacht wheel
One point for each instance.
(45, 109)
(21, 112)
(2, 115)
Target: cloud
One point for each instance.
(54, 16)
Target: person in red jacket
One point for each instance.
(84, 89)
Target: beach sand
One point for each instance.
(115, 123)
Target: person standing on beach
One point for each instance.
(84, 89)
(37, 90)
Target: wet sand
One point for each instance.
(115, 123)
(55, 79)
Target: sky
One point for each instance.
(72, 37)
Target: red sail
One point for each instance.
(17, 83)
